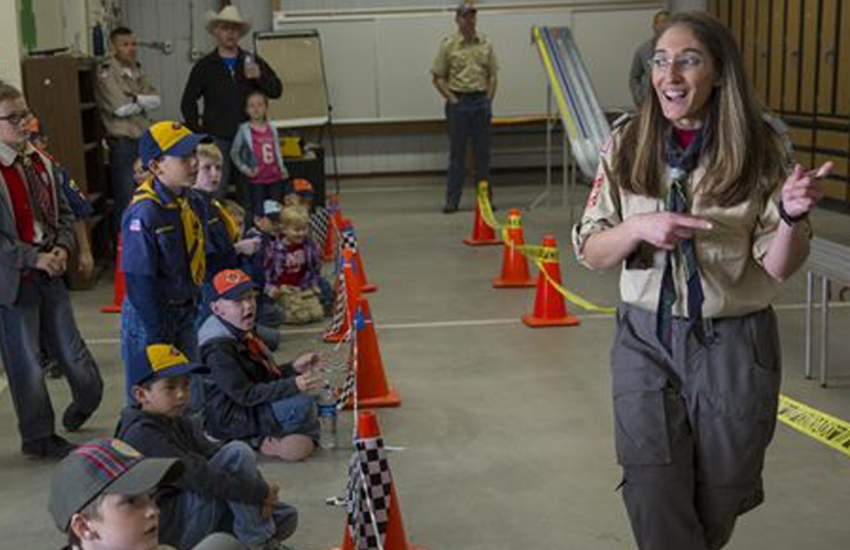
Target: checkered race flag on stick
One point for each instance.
(348, 240)
(320, 221)
(350, 385)
(340, 306)
(370, 494)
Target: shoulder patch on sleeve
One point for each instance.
(135, 225)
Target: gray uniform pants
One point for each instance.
(692, 426)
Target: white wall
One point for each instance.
(10, 52)
(372, 151)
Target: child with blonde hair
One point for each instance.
(293, 270)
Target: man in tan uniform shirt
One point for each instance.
(464, 72)
(125, 98)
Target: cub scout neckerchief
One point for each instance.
(193, 231)
(230, 223)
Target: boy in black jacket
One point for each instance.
(221, 489)
(250, 396)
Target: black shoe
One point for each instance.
(51, 446)
(50, 367)
(73, 419)
(449, 209)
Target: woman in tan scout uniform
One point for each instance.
(699, 201)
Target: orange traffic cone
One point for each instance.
(514, 265)
(120, 283)
(369, 440)
(550, 310)
(482, 234)
(372, 387)
(328, 250)
(344, 304)
(349, 241)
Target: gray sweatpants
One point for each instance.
(692, 425)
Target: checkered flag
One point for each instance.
(350, 384)
(348, 240)
(320, 222)
(369, 494)
(340, 305)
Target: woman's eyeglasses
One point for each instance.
(682, 63)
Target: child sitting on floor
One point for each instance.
(249, 395)
(221, 488)
(293, 269)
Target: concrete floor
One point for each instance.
(507, 431)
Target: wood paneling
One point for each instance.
(777, 53)
(828, 57)
(761, 49)
(842, 101)
(793, 25)
(809, 55)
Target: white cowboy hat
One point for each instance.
(228, 14)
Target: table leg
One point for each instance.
(810, 292)
(824, 328)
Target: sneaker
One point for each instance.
(73, 419)
(50, 367)
(52, 446)
(285, 520)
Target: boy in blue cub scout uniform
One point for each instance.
(163, 254)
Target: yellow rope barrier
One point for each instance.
(540, 255)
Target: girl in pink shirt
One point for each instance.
(256, 153)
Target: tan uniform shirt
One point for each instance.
(465, 66)
(117, 86)
(730, 255)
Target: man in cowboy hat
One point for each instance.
(223, 78)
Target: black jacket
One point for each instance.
(239, 391)
(224, 94)
(160, 436)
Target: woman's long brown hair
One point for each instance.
(742, 154)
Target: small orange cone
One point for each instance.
(349, 241)
(341, 323)
(482, 234)
(550, 310)
(395, 539)
(120, 283)
(372, 387)
(514, 265)
(328, 250)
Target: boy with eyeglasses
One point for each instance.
(36, 237)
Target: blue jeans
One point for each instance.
(205, 515)
(122, 152)
(297, 415)
(44, 302)
(470, 118)
(179, 331)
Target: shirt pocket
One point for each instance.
(171, 247)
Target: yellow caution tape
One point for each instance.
(540, 255)
(818, 425)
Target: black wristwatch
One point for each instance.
(788, 218)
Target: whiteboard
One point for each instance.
(297, 60)
(378, 66)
